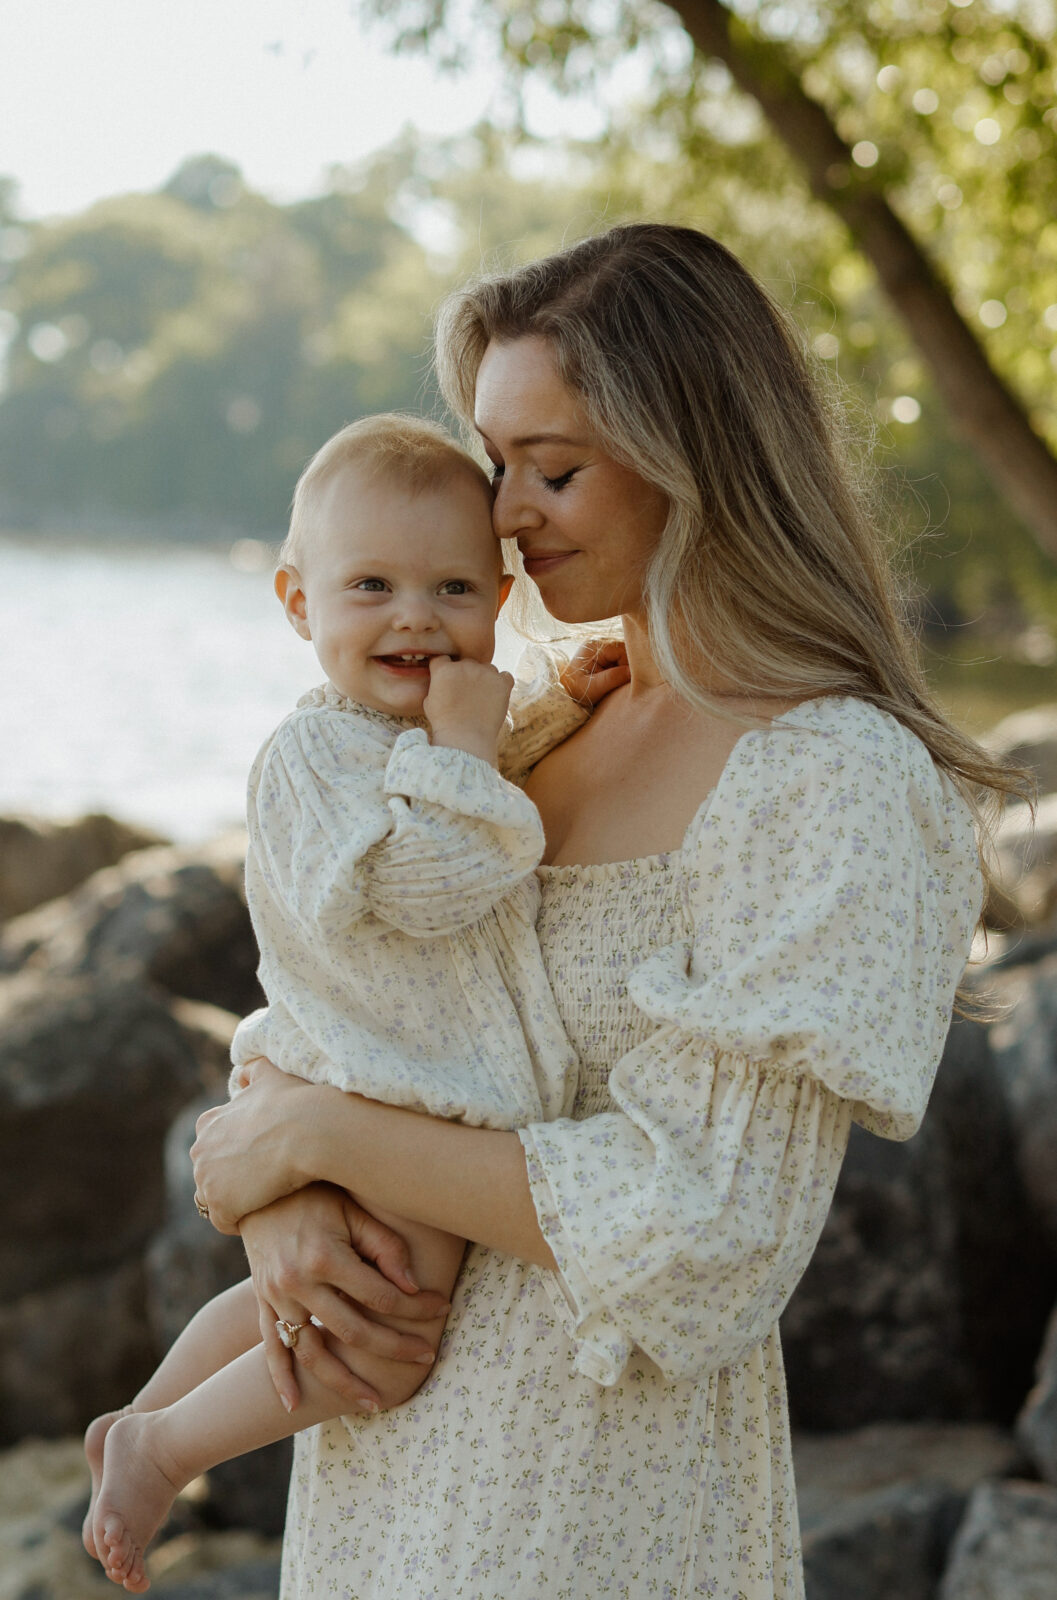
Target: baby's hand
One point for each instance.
(466, 705)
(598, 667)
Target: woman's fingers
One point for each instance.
(280, 1360)
(359, 1332)
(375, 1242)
(317, 1353)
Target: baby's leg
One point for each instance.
(151, 1454)
(216, 1334)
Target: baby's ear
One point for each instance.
(291, 594)
(506, 583)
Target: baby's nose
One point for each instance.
(416, 612)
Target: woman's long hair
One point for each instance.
(770, 572)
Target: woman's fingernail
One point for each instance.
(410, 1280)
(286, 1402)
(426, 1359)
(370, 1406)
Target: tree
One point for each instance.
(898, 116)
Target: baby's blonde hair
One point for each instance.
(405, 450)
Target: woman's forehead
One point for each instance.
(520, 395)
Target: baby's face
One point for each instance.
(388, 579)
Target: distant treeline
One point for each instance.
(172, 359)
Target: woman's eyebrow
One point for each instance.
(528, 439)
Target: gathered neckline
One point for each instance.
(606, 869)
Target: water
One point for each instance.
(141, 681)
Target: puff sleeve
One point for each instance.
(541, 713)
(832, 885)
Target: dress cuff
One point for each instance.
(601, 1348)
(465, 784)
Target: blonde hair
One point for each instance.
(410, 451)
(770, 571)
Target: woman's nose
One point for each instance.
(512, 510)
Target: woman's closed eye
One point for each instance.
(556, 484)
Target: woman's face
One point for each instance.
(585, 525)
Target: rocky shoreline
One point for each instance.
(921, 1346)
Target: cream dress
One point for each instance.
(620, 1428)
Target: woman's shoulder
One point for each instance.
(832, 762)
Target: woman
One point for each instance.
(761, 888)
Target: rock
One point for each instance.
(835, 1468)
(928, 1292)
(176, 916)
(41, 860)
(1037, 1423)
(188, 1263)
(891, 1542)
(1025, 893)
(1006, 1547)
(1029, 738)
(879, 1506)
(73, 1350)
(92, 1071)
(1024, 1044)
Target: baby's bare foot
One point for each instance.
(135, 1496)
(94, 1440)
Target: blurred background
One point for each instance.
(224, 228)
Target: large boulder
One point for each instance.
(1030, 739)
(1024, 1045)
(1037, 1423)
(72, 1350)
(928, 1292)
(92, 1071)
(41, 860)
(879, 1506)
(176, 916)
(1006, 1548)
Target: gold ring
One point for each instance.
(201, 1207)
(288, 1332)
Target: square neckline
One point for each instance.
(663, 857)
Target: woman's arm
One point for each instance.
(282, 1134)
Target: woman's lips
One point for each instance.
(541, 562)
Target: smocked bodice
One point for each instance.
(595, 924)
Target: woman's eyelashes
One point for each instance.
(553, 484)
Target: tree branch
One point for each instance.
(983, 410)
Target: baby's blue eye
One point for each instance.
(455, 586)
(372, 585)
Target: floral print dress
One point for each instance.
(620, 1427)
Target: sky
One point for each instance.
(102, 97)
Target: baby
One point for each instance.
(390, 878)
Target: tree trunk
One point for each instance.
(982, 408)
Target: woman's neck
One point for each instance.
(645, 673)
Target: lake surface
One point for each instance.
(141, 681)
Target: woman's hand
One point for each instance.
(310, 1256)
(245, 1152)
